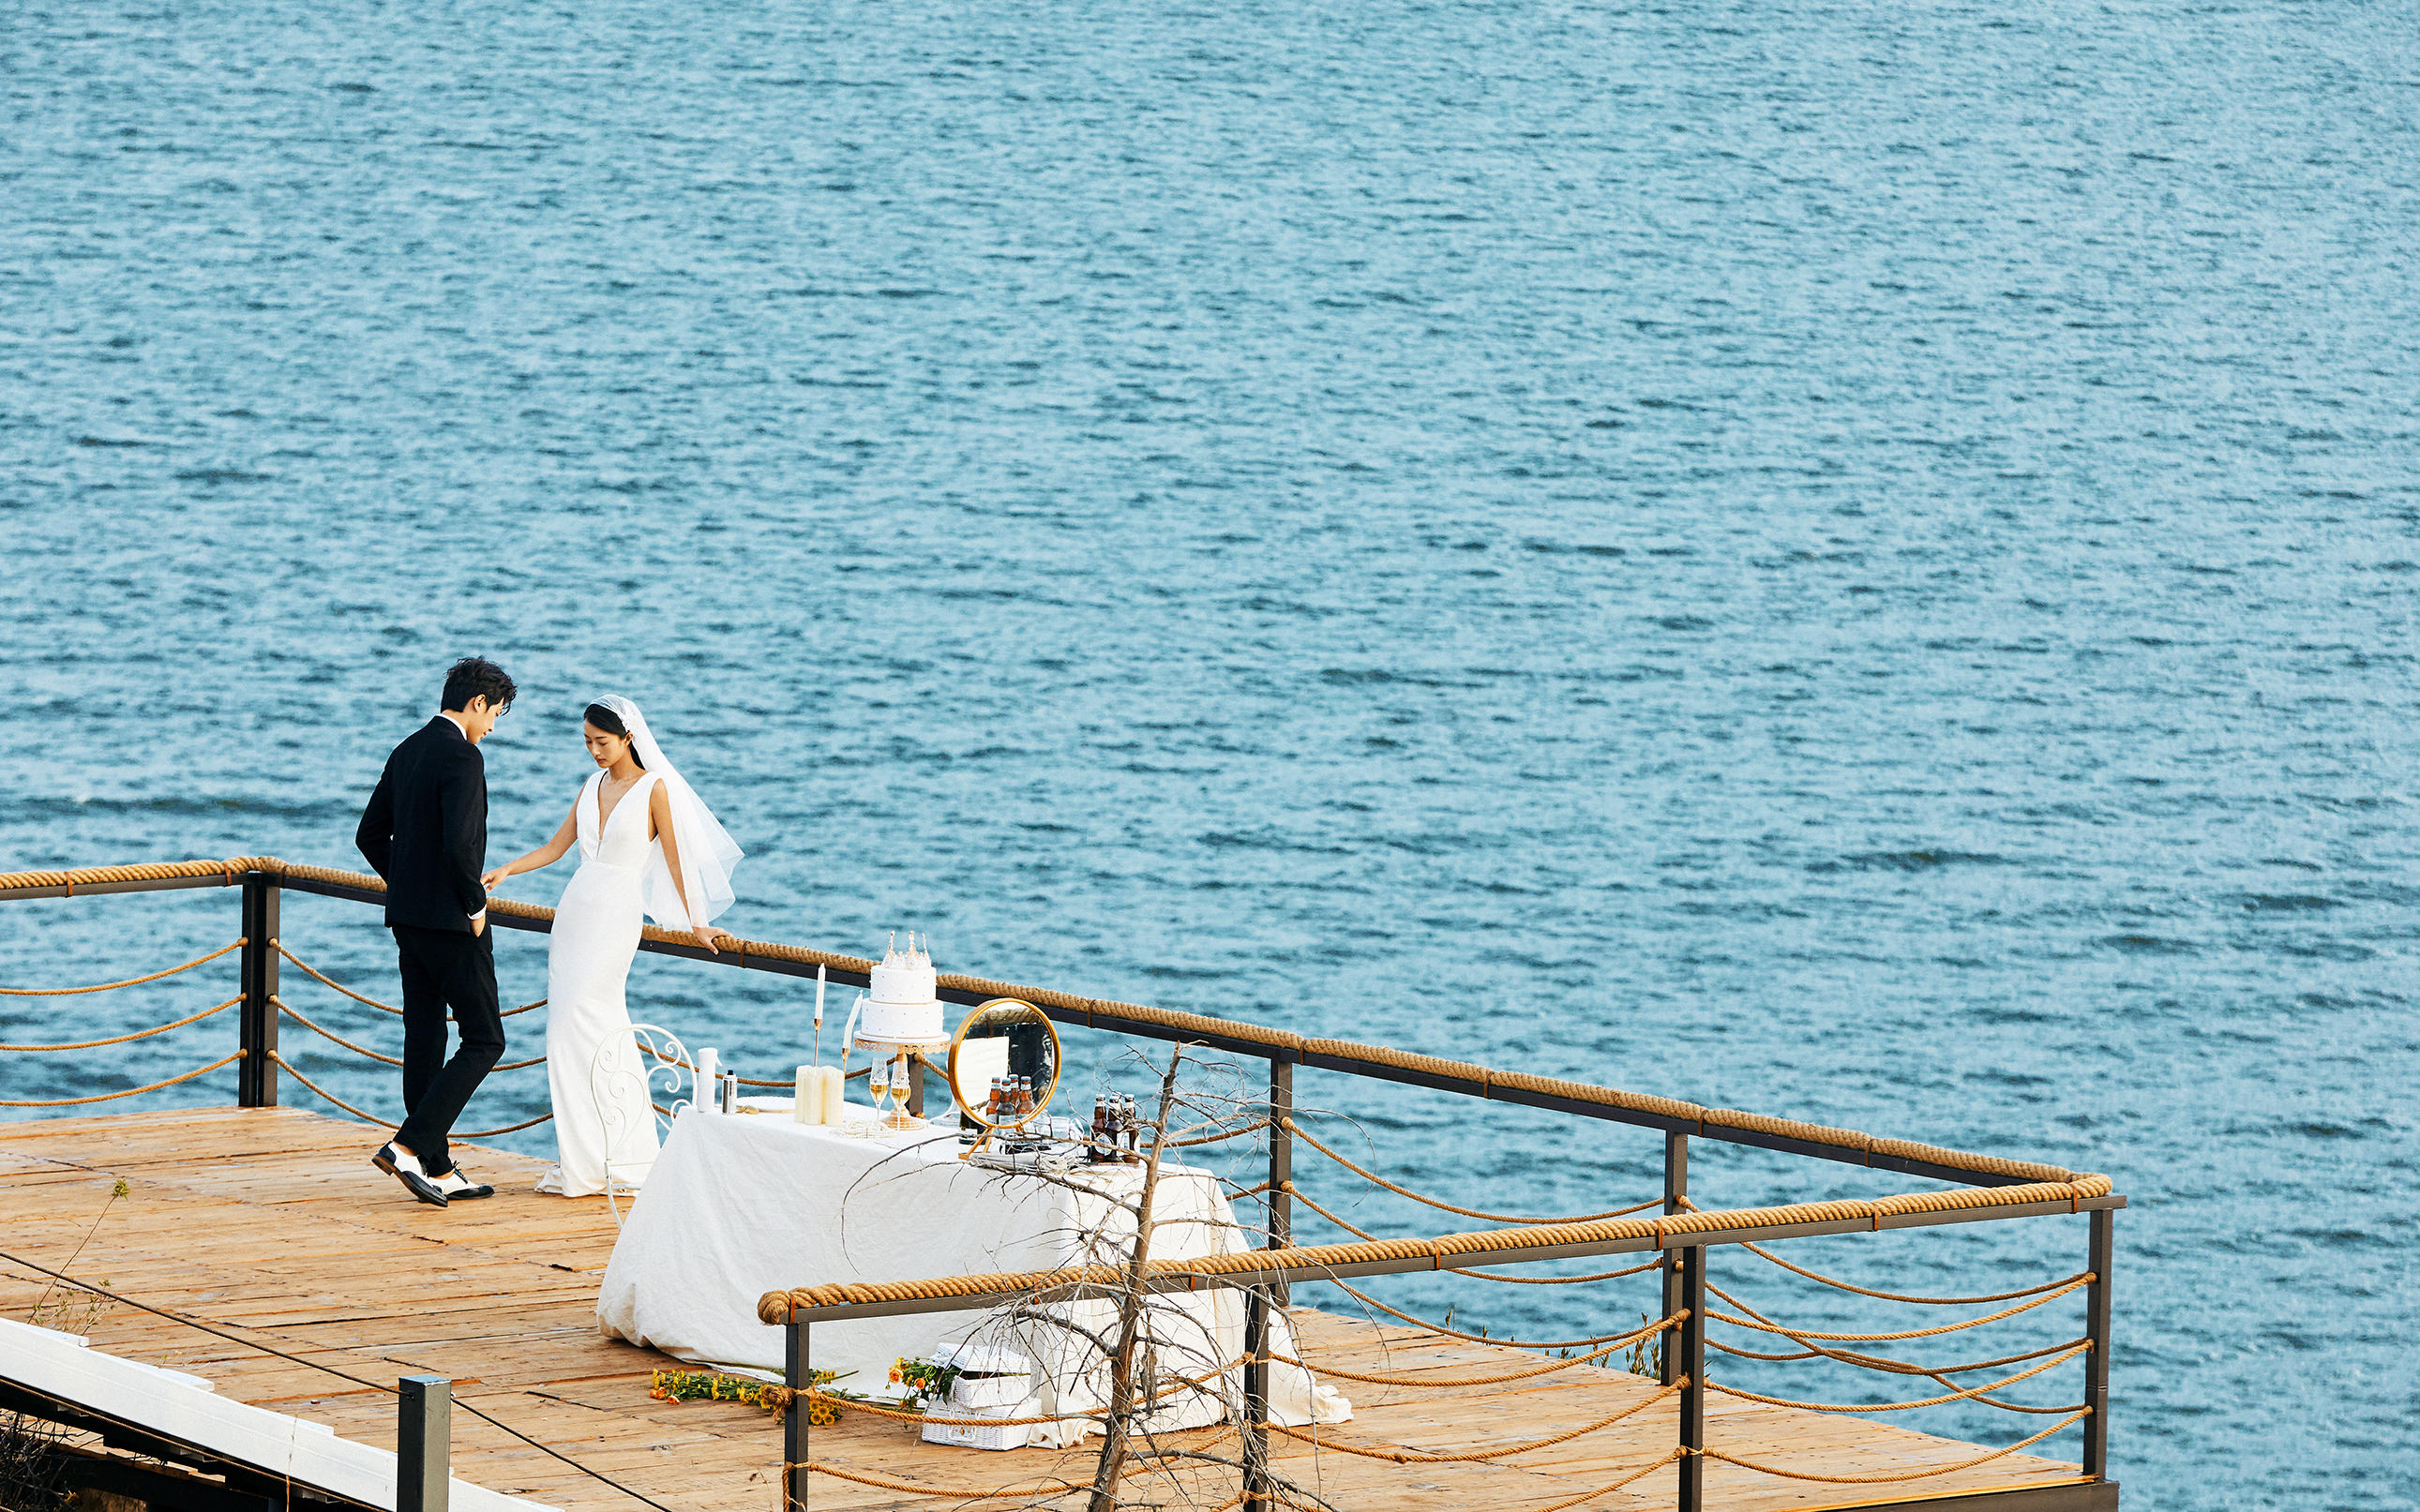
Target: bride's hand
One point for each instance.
(490, 879)
(706, 934)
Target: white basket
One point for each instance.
(985, 1393)
(985, 1436)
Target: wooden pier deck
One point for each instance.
(270, 1224)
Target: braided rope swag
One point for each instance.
(1070, 1007)
(2035, 1183)
(783, 1307)
(66, 882)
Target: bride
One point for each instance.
(647, 843)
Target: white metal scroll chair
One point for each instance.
(620, 1092)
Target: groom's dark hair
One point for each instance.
(471, 676)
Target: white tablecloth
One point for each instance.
(741, 1205)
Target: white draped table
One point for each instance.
(739, 1205)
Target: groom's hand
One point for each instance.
(478, 923)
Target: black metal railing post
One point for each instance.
(256, 1074)
(796, 1374)
(1692, 1350)
(1259, 1493)
(2103, 1251)
(1280, 1201)
(1675, 1188)
(1257, 1497)
(423, 1443)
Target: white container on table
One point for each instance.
(992, 1383)
(981, 1394)
(986, 1435)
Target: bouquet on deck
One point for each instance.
(714, 1386)
(925, 1381)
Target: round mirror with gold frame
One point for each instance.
(1005, 1037)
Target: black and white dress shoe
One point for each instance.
(405, 1167)
(457, 1187)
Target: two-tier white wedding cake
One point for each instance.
(905, 1005)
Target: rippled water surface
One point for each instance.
(1846, 560)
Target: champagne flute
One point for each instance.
(877, 1081)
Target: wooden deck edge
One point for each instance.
(2078, 1495)
(166, 1414)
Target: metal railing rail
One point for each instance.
(263, 880)
(262, 877)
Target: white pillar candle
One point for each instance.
(836, 1093)
(807, 1106)
(703, 1093)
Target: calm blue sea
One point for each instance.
(1848, 559)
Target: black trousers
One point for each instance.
(441, 969)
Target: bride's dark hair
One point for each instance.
(607, 720)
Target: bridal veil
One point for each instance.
(708, 851)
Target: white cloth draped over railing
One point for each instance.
(741, 1205)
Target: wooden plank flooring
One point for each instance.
(272, 1225)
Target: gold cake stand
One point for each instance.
(900, 1052)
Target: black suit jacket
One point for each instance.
(426, 828)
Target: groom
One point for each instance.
(426, 832)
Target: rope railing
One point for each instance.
(1841, 1144)
(384, 1008)
(1060, 1488)
(1761, 1252)
(1889, 1366)
(1367, 1300)
(1970, 1393)
(778, 1307)
(239, 944)
(296, 1014)
(324, 1032)
(1884, 1364)
(131, 1091)
(122, 1038)
(1481, 1456)
(1711, 1453)
(1312, 1140)
(1802, 1335)
(1659, 1326)
(783, 1397)
(1007, 1494)
(1308, 1201)
(1896, 1296)
(2011, 1188)
(1640, 1473)
(383, 1123)
(1236, 1132)
(1443, 1251)
(753, 1081)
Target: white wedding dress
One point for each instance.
(588, 957)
